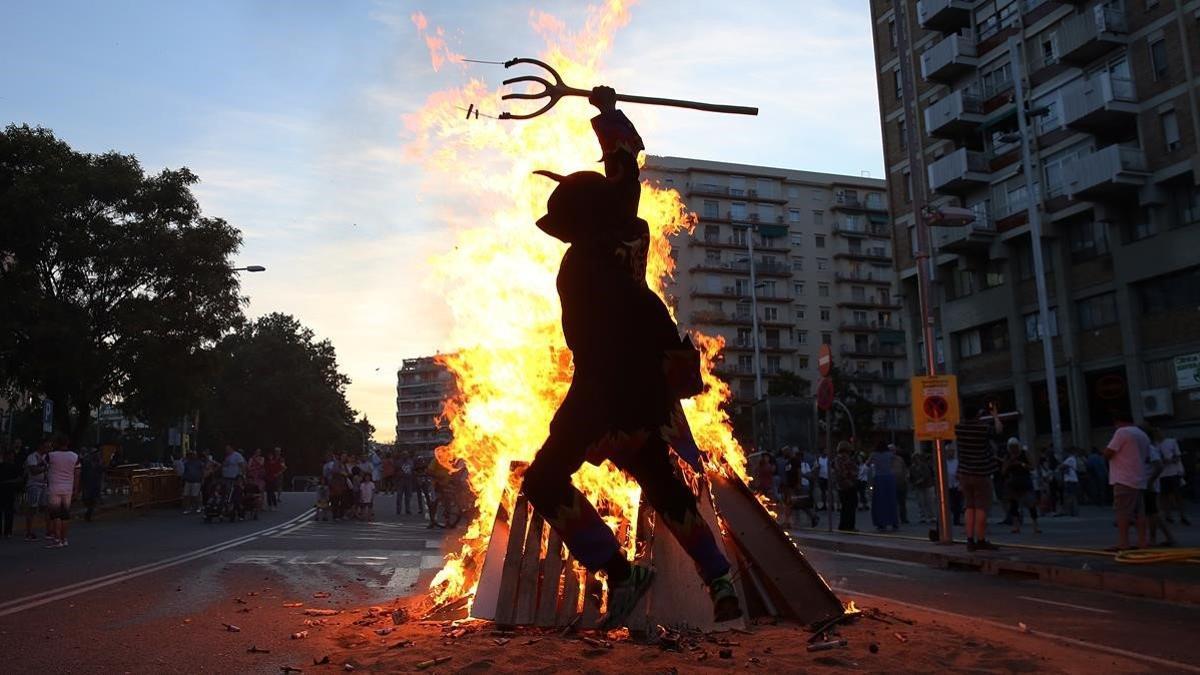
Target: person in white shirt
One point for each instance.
(1069, 469)
(36, 495)
(1128, 454)
(234, 465)
(62, 476)
(1171, 479)
(1151, 493)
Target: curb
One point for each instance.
(1137, 585)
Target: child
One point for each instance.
(366, 498)
(353, 499)
(323, 504)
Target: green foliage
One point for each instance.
(277, 385)
(861, 409)
(112, 282)
(787, 383)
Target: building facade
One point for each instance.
(422, 387)
(822, 264)
(1108, 91)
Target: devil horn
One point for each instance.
(551, 175)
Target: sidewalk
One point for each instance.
(1069, 551)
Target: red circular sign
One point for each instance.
(825, 393)
(936, 407)
(824, 360)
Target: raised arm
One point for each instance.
(619, 140)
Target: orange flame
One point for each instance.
(509, 358)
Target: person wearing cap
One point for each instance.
(976, 464)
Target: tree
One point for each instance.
(276, 385)
(861, 408)
(112, 282)
(787, 383)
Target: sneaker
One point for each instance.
(985, 545)
(724, 599)
(622, 597)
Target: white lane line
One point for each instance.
(1167, 663)
(905, 563)
(1064, 604)
(45, 597)
(882, 574)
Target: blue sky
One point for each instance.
(291, 112)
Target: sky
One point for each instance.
(292, 113)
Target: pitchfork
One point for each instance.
(558, 89)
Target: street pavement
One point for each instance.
(152, 593)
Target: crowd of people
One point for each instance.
(349, 483)
(1140, 473)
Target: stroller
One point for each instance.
(217, 503)
(251, 502)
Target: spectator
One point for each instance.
(920, 480)
(273, 472)
(256, 469)
(1128, 453)
(366, 497)
(803, 498)
(764, 475)
(91, 482)
(62, 471)
(845, 470)
(193, 476)
(388, 471)
(955, 492)
(1018, 485)
(1154, 519)
(36, 490)
(976, 465)
(1098, 470)
(864, 475)
(1170, 479)
(10, 484)
(900, 471)
(781, 467)
(234, 466)
(376, 465)
(823, 481)
(884, 514)
(1069, 471)
(406, 484)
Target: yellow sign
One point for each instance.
(935, 407)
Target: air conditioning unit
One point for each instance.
(1157, 403)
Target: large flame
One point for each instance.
(508, 355)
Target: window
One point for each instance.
(822, 264)
(818, 218)
(858, 293)
(793, 215)
(712, 233)
(742, 287)
(826, 338)
(1088, 240)
(1049, 49)
(801, 337)
(912, 239)
(899, 87)
(820, 240)
(875, 201)
(1052, 118)
(766, 213)
(1158, 58)
(712, 208)
(1139, 230)
(1170, 130)
(743, 311)
(716, 306)
(793, 192)
(826, 313)
(737, 210)
(773, 365)
(823, 290)
(737, 185)
(889, 371)
(744, 337)
(712, 256)
(746, 362)
(798, 289)
(892, 33)
(1097, 311)
(768, 289)
(993, 274)
(1185, 205)
(801, 310)
(860, 317)
(963, 283)
(797, 264)
(797, 241)
(1033, 325)
(802, 361)
(1025, 261)
(739, 236)
(989, 337)
(902, 134)
(1171, 292)
(770, 313)
(907, 187)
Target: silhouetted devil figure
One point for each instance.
(631, 369)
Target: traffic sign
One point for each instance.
(935, 406)
(824, 360)
(825, 393)
(47, 415)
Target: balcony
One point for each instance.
(868, 326)
(959, 113)
(946, 16)
(949, 59)
(773, 245)
(859, 229)
(958, 172)
(974, 236)
(1114, 171)
(869, 350)
(1102, 105)
(864, 278)
(1092, 33)
(764, 269)
(869, 303)
(877, 254)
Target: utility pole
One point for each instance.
(1033, 206)
(758, 386)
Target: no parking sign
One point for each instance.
(935, 407)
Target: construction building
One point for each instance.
(1108, 94)
(422, 387)
(822, 264)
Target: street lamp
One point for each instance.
(754, 286)
(249, 268)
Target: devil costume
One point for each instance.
(631, 368)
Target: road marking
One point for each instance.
(882, 574)
(890, 561)
(1065, 604)
(45, 597)
(1167, 663)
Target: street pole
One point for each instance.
(922, 257)
(1033, 207)
(758, 388)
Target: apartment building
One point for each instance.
(822, 264)
(422, 387)
(1109, 93)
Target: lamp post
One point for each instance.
(361, 433)
(249, 268)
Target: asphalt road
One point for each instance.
(152, 593)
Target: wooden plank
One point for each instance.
(797, 590)
(488, 592)
(569, 607)
(639, 622)
(506, 596)
(591, 600)
(548, 596)
(531, 562)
